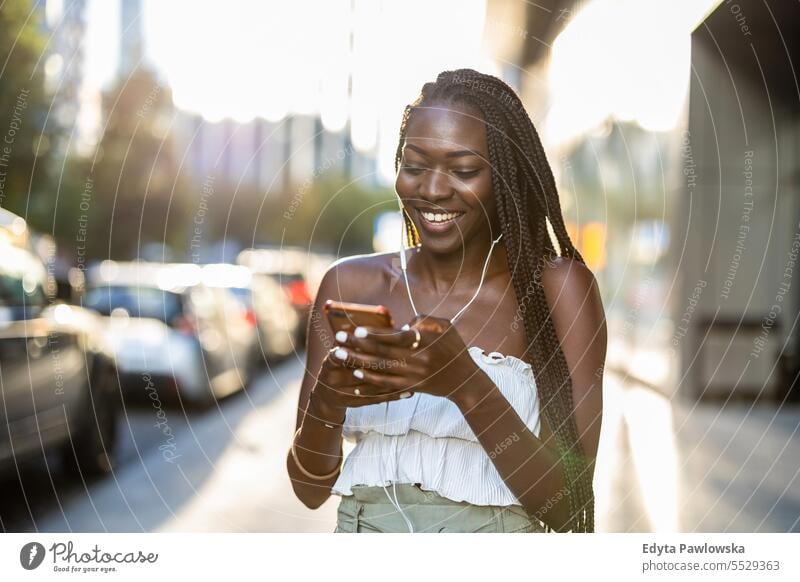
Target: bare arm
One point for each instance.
(531, 466)
(317, 446)
(328, 388)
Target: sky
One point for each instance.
(240, 59)
(269, 59)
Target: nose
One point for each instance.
(434, 186)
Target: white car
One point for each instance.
(170, 330)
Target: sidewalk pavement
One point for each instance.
(673, 464)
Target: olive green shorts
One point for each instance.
(368, 510)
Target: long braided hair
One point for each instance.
(525, 197)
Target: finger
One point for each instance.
(353, 359)
(363, 389)
(348, 379)
(384, 335)
(373, 347)
(331, 360)
(369, 394)
(368, 400)
(335, 374)
(345, 358)
(394, 360)
(342, 378)
(429, 323)
(404, 338)
(386, 382)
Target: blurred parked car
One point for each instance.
(58, 381)
(169, 329)
(288, 266)
(266, 305)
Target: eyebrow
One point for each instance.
(456, 154)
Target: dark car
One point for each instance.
(288, 266)
(267, 304)
(57, 381)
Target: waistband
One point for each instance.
(407, 493)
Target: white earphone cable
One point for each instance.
(395, 503)
(403, 264)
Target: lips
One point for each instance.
(439, 220)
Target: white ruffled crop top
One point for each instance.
(436, 447)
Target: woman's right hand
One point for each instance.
(335, 390)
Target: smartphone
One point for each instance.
(348, 316)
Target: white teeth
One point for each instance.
(439, 216)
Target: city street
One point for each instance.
(661, 467)
(194, 199)
(227, 474)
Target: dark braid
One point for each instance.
(525, 198)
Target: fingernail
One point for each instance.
(340, 353)
(358, 374)
(406, 327)
(405, 395)
(341, 336)
(360, 332)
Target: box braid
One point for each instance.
(525, 197)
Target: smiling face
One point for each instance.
(445, 179)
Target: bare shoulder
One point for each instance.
(358, 278)
(580, 324)
(563, 276)
(575, 302)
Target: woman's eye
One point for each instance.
(413, 170)
(466, 173)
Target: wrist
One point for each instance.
(473, 392)
(322, 411)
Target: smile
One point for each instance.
(438, 221)
(438, 217)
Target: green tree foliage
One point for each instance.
(25, 130)
(140, 196)
(330, 214)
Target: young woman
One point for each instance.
(483, 413)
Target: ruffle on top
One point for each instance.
(436, 447)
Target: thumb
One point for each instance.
(425, 322)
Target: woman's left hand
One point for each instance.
(440, 365)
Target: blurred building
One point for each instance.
(131, 37)
(519, 36)
(64, 25)
(739, 234)
(273, 156)
(676, 158)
